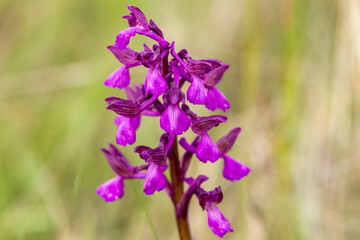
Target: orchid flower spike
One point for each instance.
(174, 82)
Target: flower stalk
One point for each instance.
(178, 191)
(177, 183)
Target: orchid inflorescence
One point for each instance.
(166, 78)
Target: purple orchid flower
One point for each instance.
(233, 170)
(208, 200)
(156, 158)
(120, 78)
(217, 222)
(206, 149)
(162, 96)
(202, 74)
(114, 188)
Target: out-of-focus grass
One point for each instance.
(294, 89)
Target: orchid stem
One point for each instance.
(176, 178)
(178, 191)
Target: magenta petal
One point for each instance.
(126, 56)
(118, 162)
(154, 179)
(125, 133)
(204, 124)
(112, 189)
(196, 93)
(139, 16)
(216, 100)
(207, 149)
(123, 38)
(234, 170)
(135, 122)
(214, 77)
(120, 78)
(154, 82)
(217, 222)
(126, 108)
(227, 142)
(174, 120)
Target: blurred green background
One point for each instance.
(294, 89)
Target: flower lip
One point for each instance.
(234, 170)
(120, 78)
(174, 120)
(196, 93)
(126, 132)
(111, 190)
(207, 149)
(154, 179)
(216, 100)
(216, 220)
